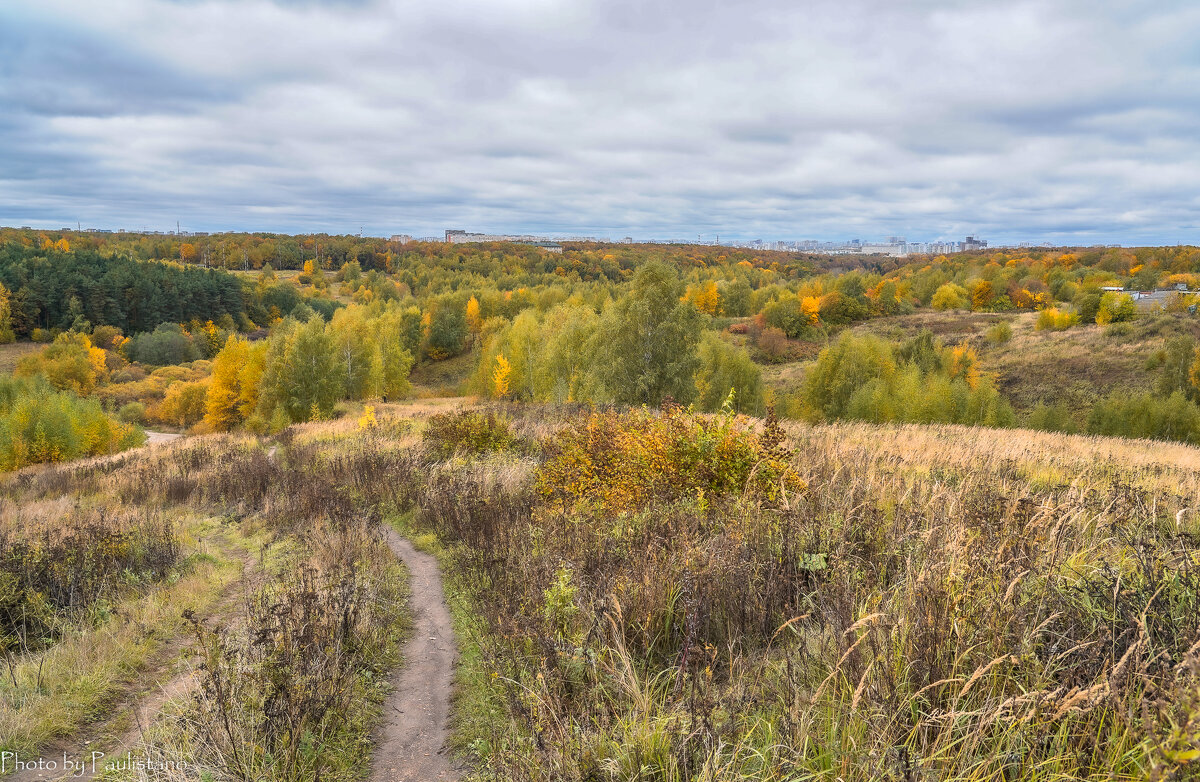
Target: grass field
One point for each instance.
(657, 595)
(11, 353)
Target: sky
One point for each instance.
(1057, 121)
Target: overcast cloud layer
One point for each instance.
(1072, 122)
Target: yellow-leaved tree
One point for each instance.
(500, 377)
(810, 306)
(706, 297)
(233, 393)
(70, 363)
(962, 362)
(6, 331)
(474, 321)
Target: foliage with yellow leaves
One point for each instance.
(367, 420)
(963, 363)
(501, 376)
(474, 320)
(70, 363)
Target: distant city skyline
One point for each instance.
(891, 245)
(1055, 121)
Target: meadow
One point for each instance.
(924, 602)
(637, 594)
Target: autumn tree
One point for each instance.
(500, 377)
(727, 373)
(445, 330)
(982, 294)
(313, 274)
(1115, 308)
(1180, 360)
(353, 337)
(961, 363)
(844, 367)
(393, 330)
(70, 363)
(301, 378)
(705, 297)
(949, 297)
(647, 340)
(566, 371)
(474, 321)
(233, 393)
(6, 330)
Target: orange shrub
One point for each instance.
(624, 461)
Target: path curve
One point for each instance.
(154, 438)
(411, 743)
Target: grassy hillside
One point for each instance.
(1075, 367)
(933, 602)
(645, 595)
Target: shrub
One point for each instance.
(107, 337)
(1051, 418)
(1177, 360)
(183, 404)
(117, 394)
(285, 698)
(167, 344)
(1116, 308)
(859, 378)
(1142, 415)
(843, 368)
(132, 412)
(1054, 319)
(1087, 305)
(1118, 331)
(467, 432)
(727, 373)
(949, 297)
(772, 342)
(49, 570)
(38, 424)
(1000, 333)
(623, 461)
(70, 363)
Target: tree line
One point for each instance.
(56, 290)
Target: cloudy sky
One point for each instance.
(1071, 122)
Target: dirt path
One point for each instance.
(154, 438)
(168, 677)
(411, 745)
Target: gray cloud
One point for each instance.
(1058, 120)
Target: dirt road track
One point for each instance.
(411, 744)
(161, 683)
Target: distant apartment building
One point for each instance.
(974, 244)
(458, 236)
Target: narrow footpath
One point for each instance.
(411, 743)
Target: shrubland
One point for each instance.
(865, 378)
(41, 424)
(665, 594)
(833, 602)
